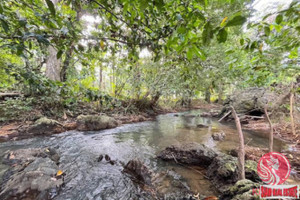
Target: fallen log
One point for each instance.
(9, 95)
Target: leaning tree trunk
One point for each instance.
(53, 65)
(271, 130)
(241, 152)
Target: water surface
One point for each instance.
(88, 179)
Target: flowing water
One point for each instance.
(88, 179)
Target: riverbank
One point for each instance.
(23, 129)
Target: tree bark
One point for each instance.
(271, 130)
(63, 73)
(291, 109)
(241, 153)
(207, 95)
(155, 98)
(220, 94)
(53, 65)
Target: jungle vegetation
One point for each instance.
(59, 54)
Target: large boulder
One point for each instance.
(95, 122)
(45, 126)
(223, 171)
(32, 174)
(221, 168)
(190, 153)
(252, 101)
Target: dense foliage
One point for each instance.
(63, 52)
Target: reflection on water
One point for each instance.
(88, 179)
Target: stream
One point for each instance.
(88, 179)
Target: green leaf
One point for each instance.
(199, 53)
(207, 33)
(279, 19)
(189, 53)
(42, 39)
(51, 7)
(242, 41)
(1, 9)
(59, 54)
(236, 21)
(222, 36)
(20, 50)
(267, 30)
(4, 25)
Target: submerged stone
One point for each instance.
(219, 136)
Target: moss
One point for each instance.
(242, 190)
(230, 166)
(251, 165)
(95, 122)
(46, 121)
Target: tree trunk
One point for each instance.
(241, 153)
(155, 99)
(271, 130)
(291, 109)
(101, 77)
(63, 73)
(53, 65)
(220, 95)
(207, 95)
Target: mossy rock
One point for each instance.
(241, 190)
(45, 126)
(95, 122)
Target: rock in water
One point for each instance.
(107, 158)
(138, 171)
(221, 168)
(31, 175)
(95, 122)
(223, 171)
(190, 153)
(45, 126)
(219, 136)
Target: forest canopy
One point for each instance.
(63, 52)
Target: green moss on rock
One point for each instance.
(95, 122)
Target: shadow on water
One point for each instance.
(88, 179)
